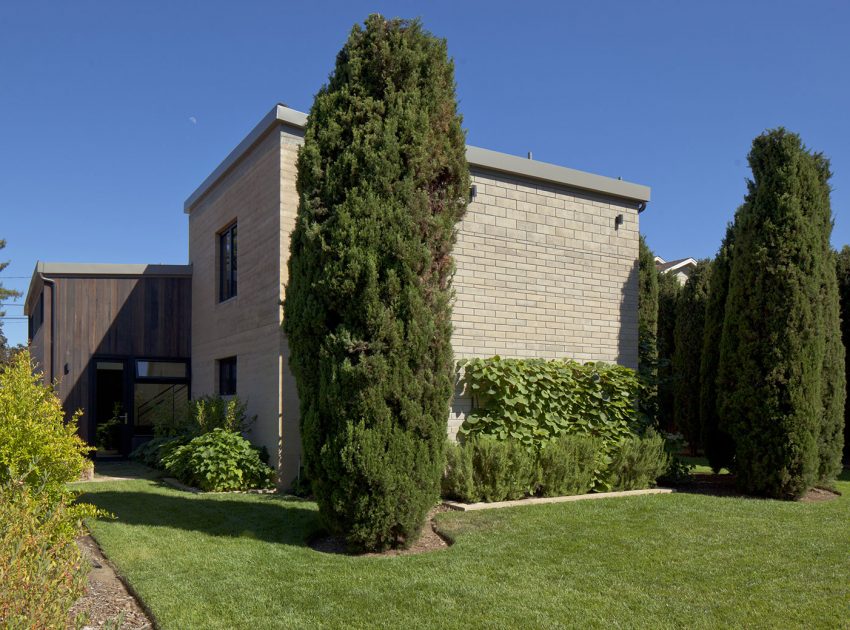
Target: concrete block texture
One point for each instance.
(541, 271)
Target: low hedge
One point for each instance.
(486, 469)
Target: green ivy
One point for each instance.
(535, 400)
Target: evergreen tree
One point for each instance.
(717, 443)
(831, 436)
(648, 329)
(689, 333)
(842, 261)
(775, 395)
(382, 183)
(5, 294)
(668, 294)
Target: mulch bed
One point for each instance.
(723, 485)
(429, 540)
(106, 599)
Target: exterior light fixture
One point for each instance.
(618, 221)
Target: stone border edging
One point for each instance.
(470, 507)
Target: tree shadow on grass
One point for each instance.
(269, 518)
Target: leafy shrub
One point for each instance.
(218, 461)
(458, 481)
(534, 400)
(638, 462)
(203, 415)
(42, 572)
(152, 452)
(567, 465)
(36, 444)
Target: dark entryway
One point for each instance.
(130, 396)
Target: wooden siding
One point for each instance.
(117, 317)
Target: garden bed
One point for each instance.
(106, 600)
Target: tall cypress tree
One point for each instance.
(690, 327)
(648, 329)
(382, 183)
(717, 443)
(842, 262)
(772, 383)
(669, 290)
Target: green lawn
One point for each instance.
(662, 561)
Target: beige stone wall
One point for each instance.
(248, 325)
(542, 272)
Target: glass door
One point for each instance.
(160, 397)
(110, 410)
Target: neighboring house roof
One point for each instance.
(672, 265)
(89, 270)
(484, 158)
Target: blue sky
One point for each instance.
(111, 113)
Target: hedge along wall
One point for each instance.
(535, 400)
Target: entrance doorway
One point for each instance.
(131, 397)
(110, 409)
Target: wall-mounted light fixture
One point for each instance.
(618, 221)
(473, 192)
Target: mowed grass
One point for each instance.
(662, 561)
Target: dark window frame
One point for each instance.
(227, 268)
(227, 376)
(160, 379)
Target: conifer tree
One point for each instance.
(687, 359)
(669, 290)
(777, 394)
(842, 261)
(382, 183)
(717, 443)
(648, 329)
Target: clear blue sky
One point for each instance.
(111, 113)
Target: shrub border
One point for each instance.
(483, 505)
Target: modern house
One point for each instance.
(681, 268)
(546, 262)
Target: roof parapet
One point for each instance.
(476, 156)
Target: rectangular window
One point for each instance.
(160, 369)
(227, 376)
(227, 263)
(36, 317)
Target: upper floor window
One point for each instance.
(227, 263)
(36, 316)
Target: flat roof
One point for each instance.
(63, 270)
(477, 157)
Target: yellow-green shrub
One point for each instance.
(42, 572)
(36, 444)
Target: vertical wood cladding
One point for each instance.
(116, 316)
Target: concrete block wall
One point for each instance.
(543, 272)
